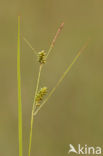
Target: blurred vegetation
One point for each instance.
(74, 113)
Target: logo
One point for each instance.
(84, 149)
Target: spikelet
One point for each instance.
(40, 95)
(42, 57)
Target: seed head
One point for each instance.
(40, 95)
(42, 57)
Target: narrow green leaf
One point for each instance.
(19, 91)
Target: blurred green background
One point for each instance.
(74, 114)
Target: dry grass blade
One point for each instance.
(54, 39)
(29, 44)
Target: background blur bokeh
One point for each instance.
(74, 114)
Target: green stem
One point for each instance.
(50, 49)
(33, 109)
(19, 91)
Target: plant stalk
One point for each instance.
(33, 109)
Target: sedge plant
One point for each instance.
(39, 96)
